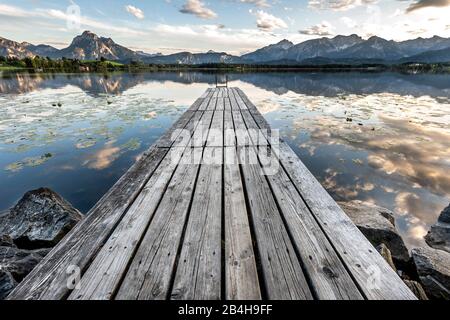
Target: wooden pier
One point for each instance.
(218, 208)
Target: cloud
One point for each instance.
(87, 22)
(197, 8)
(138, 13)
(198, 38)
(338, 5)
(350, 23)
(103, 158)
(267, 22)
(258, 3)
(420, 4)
(11, 11)
(321, 29)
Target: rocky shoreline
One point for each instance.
(426, 270)
(42, 218)
(28, 231)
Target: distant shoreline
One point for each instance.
(39, 65)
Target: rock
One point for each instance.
(7, 284)
(39, 220)
(6, 241)
(439, 235)
(19, 262)
(386, 254)
(433, 268)
(445, 215)
(378, 225)
(417, 289)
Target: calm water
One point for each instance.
(77, 134)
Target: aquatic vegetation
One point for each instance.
(132, 145)
(28, 162)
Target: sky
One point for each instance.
(233, 26)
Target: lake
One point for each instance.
(383, 138)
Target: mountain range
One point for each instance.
(340, 49)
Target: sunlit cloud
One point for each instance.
(420, 4)
(258, 3)
(338, 5)
(198, 8)
(268, 22)
(321, 29)
(138, 13)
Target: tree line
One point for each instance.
(38, 63)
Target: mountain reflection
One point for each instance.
(323, 84)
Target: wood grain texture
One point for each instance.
(198, 275)
(49, 279)
(325, 271)
(229, 133)
(150, 272)
(370, 271)
(327, 274)
(106, 271)
(241, 276)
(242, 135)
(215, 135)
(282, 272)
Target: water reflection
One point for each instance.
(317, 84)
(389, 149)
(378, 137)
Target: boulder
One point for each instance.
(7, 284)
(20, 262)
(417, 289)
(39, 220)
(439, 235)
(386, 254)
(433, 268)
(6, 241)
(378, 226)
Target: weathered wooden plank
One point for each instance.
(282, 272)
(241, 277)
(255, 133)
(49, 279)
(212, 104)
(227, 104)
(242, 135)
(106, 271)
(220, 106)
(215, 134)
(234, 104)
(204, 105)
(373, 275)
(228, 126)
(198, 275)
(238, 99)
(175, 134)
(151, 269)
(206, 93)
(325, 271)
(225, 93)
(371, 272)
(202, 131)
